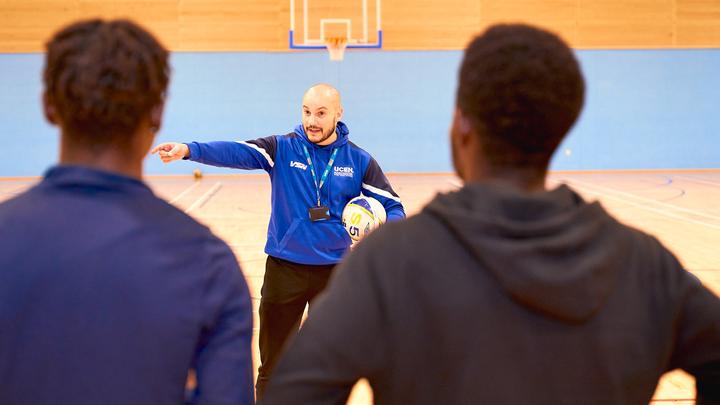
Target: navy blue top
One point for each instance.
(108, 295)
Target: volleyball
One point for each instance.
(361, 216)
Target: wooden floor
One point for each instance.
(680, 208)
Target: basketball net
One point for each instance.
(336, 47)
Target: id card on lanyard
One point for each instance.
(319, 212)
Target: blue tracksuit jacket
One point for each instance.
(291, 234)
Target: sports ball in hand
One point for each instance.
(361, 215)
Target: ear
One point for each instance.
(156, 117)
(340, 113)
(461, 128)
(49, 109)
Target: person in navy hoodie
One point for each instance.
(108, 294)
(315, 170)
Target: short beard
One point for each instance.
(327, 134)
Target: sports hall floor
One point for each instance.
(678, 207)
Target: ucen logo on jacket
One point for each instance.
(291, 234)
(344, 171)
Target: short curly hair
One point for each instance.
(102, 78)
(521, 89)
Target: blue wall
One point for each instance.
(645, 108)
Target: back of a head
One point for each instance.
(521, 89)
(102, 79)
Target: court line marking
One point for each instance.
(649, 200)
(456, 183)
(645, 207)
(184, 193)
(18, 189)
(205, 197)
(703, 181)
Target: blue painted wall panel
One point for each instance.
(644, 108)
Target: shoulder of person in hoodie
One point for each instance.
(409, 244)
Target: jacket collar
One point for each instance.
(341, 130)
(72, 175)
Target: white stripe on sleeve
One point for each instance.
(381, 192)
(260, 150)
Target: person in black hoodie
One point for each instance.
(505, 292)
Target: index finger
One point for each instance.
(157, 148)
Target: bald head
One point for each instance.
(321, 112)
(323, 93)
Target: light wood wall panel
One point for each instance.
(159, 16)
(698, 23)
(429, 24)
(262, 25)
(25, 25)
(219, 25)
(626, 23)
(559, 16)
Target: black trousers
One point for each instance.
(287, 288)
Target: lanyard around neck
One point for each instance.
(325, 173)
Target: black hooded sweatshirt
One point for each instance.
(495, 296)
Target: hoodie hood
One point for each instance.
(342, 136)
(551, 252)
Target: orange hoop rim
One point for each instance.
(336, 47)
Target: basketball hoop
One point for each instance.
(336, 47)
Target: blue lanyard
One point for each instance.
(325, 173)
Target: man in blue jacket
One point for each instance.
(108, 294)
(315, 170)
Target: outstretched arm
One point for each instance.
(254, 154)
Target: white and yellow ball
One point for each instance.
(362, 215)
